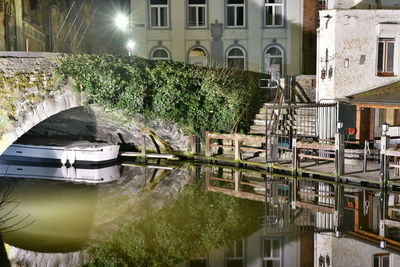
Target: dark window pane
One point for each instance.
(229, 251)
(154, 17)
(273, 1)
(268, 15)
(160, 53)
(267, 248)
(274, 51)
(240, 16)
(198, 263)
(376, 261)
(202, 16)
(380, 56)
(33, 4)
(197, 2)
(234, 263)
(276, 244)
(278, 15)
(158, 2)
(385, 261)
(192, 16)
(230, 16)
(390, 57)
(235, 1)
(239, 244)
(163, 17)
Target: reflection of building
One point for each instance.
(256, 35)
(46, 25)
(362, 66)
(261, 249)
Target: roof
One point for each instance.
(384, 95)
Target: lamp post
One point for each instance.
(121, 21)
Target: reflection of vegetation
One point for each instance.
(189, 227)
(9, 220)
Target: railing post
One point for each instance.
(366, 149)
(237, 180)
(295, 157)
(237, 147)
(207, 148)
(384, 172)
(339, 154)
(193, 147)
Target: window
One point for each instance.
(198, 56)
(33, 4)
(274, 62)
(235, 13)
(160, 54)
(159, 16)
(321, 4)
(386, 57)
(272, 253)
(273, 13)
(197, 16)
(234, 254)
(381, 260)
(236, 58)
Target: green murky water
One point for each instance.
(197, 216)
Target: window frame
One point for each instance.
(160, 48)
(271, 239)
(380, 257)
(197, 7)
(384, 71)
(282, 50)
(236, 57)
(274, 5)
(202, 48)
(235, 257)
(235, 17)
(159, 7)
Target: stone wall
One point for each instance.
(31, 93)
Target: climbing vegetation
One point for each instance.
(196, 98)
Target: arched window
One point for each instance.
(273, 59)
(198, 56)
(236, 58)
(160, 54)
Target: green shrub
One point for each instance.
(198, 99)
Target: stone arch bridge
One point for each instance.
(33, 99)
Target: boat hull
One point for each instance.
(76, 155)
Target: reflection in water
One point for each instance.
(223, 217)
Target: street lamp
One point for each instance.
(121, 21)
(385, 128)
(130, 45)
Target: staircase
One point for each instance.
(284, 122)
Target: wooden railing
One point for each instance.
(237, 143)
(322, 151)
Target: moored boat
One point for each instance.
(63, 152)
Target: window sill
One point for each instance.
(386, 75)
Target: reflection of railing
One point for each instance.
(235, 183)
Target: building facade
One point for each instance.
(257, 35)
(358, 50)
(48, 25)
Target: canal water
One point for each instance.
(194, 215)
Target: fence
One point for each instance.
(298, 121)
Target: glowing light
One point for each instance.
(130, 45)
(121, 21)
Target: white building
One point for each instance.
(358, 50)
(346, 251)
(257, 35)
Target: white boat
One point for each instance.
(61, 152)
(70, 174)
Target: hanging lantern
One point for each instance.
(323, 74)
(330, 73)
